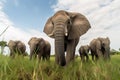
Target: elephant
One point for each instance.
(100, 48)
(40, 47)
(66, 28)
(83, 51)
(16, 47)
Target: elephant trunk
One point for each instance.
(59, 45)
(32, 51)
(107, 54)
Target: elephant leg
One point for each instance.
(48, 57)
(99, 54)
(93, 57)
(44, 57)
(12, 53)
(39, 56)
(70, 51)
(96, 57)
(35, 56)
(82, 57)
(87, 57)
(31, 55)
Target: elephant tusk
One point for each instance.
(66, 34)
(50, 34)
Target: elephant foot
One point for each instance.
(63, 63)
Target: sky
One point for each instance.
(26, 19)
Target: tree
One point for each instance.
(3, 44)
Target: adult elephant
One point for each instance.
(83, 51)
(100, 48)
(16, 47)
(66, 28)
(40, 47)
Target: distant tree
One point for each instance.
(3, 44)
(113, 52)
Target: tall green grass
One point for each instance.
(21, 68)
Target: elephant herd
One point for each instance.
(66, 28)
(38, 47)
(99, 48)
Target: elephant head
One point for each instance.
(74, 24)
(105, 47)
(65, 24)
(12, 46)
(36, 45)
(86, 48)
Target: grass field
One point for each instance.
(23, 69)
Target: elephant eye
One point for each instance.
(103, 44)
(68, 21)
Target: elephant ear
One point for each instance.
(48, 29)
(29, 42)
(42, 42)
(80, 25)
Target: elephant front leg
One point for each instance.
(12, 53)
(70, 52)
(82, 58)
(31, 55)
(87, 57)
(99, 54)
(40, 55)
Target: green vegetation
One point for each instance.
(21, 68)
(3, 44)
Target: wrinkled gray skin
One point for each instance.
(83, 51)
(100, 48)
(66, 28)
(40, 47)
(16, 47)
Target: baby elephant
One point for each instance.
(16, 47)
(83, 51)
(40, 47)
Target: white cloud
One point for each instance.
(15, 33)
(104, 16)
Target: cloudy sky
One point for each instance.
(26, 18)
